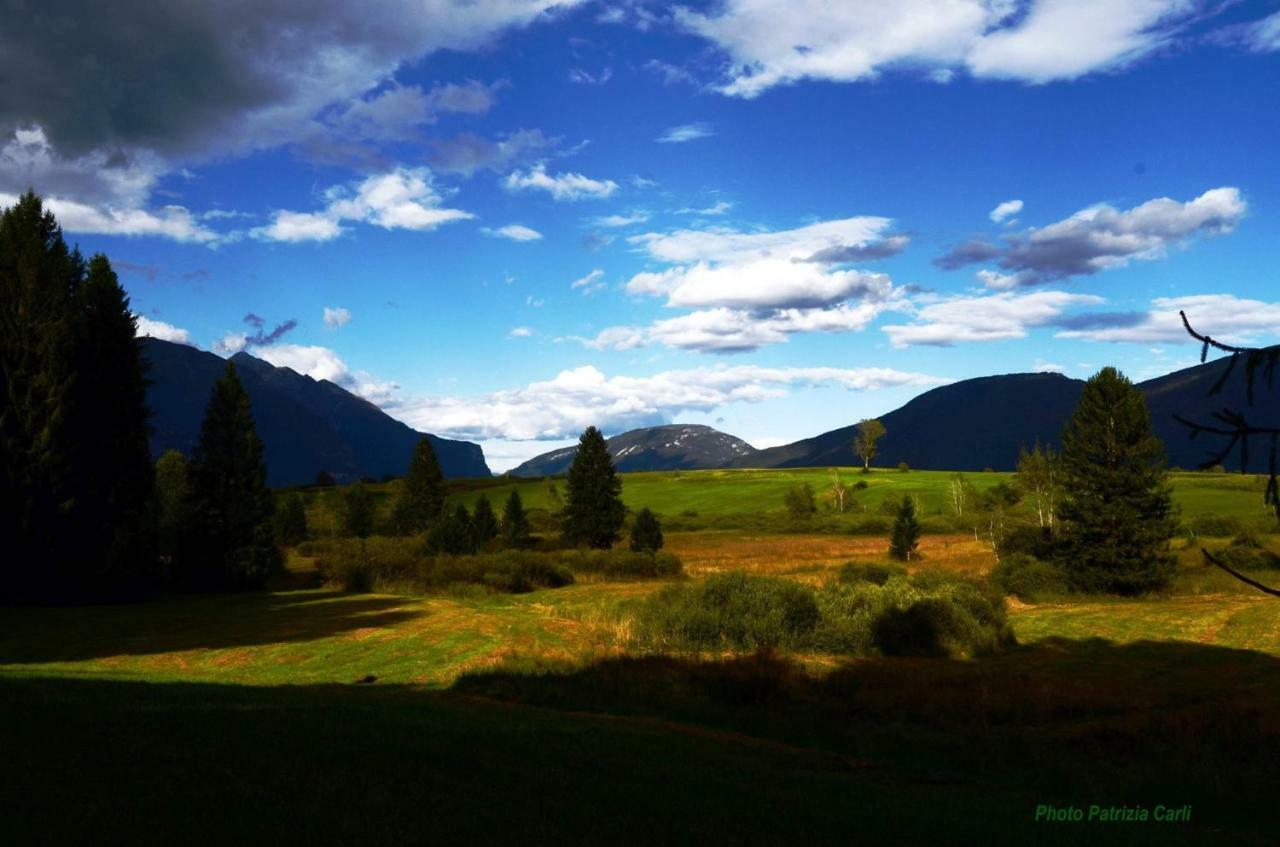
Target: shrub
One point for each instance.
(1028, 578)
(875, 573)
(861, 485)
(800, 502)
(870, 526)
(646, 534)
(903, 467)
(451, 533)
(1027, 540)
(1217, 526)
(732, 610)
(621, 563)
(1246, 552)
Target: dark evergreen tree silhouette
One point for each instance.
(231, 543)
(515, 523)
(593, 509)
(484, 523)
(905, 537)
(423, 500)
(451, 533)
(1118, 510)
(646, 533)
(75, 474)
(1234, 428)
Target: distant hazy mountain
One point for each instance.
(982, 423)
(306, 425)
(655, 448)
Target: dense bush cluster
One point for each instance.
(1028, 578)
(396, 564)
(1246, 552)
(865, 611)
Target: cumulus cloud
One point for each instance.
(686, 132)
(160, 329)
(1231, 319)
(513, 232)
(565, 186)
(336, 318)
(776, 42)
(992, 317)
(315, 362)
(1007, 209)
(723, 330)
(400, 199)
(1102, 237)
(749, 289)
(563, 406)
(520, 332)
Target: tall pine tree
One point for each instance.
(1118, 513)
(231, 546)
(423, 501)
(75, 475)
(593, 510)
(515, 523)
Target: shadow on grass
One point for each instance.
(119, 762)
(37, 635)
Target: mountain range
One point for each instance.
(655, 448)
(306, 425)
(968, 425)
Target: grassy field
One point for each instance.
(702, 499)
(535, 717)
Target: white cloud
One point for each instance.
(686, 132)
(724, 330)
(719, 208)
(1264, 36)
(520, 332)
(403, 198)
(336, 318)
(613, 221)
(514, 232)
(762, 284)
(163, 331)
(315, 362)
(562, 407)
(1230, 319)
(721, 244)
(992, 317)
(583, 77)
(1007, 209)
(1043, 367)
(1102, 237)
(564, 186)
(776, 42)
(590, 283)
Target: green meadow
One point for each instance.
(466, 716)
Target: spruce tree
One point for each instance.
(75, 474)
(646, 533)
(173, 503)
(593, 510)
(231, 502)
(1118, 513)
(451, 533)
(357, 513)
(484, 523)
(423, 500)
(515, 523)
(905, 537)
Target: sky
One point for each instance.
(505, 221)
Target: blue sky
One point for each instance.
(505, 221)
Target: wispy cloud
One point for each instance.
(563, 186)
(686, 132)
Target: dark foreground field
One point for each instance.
(662, 750)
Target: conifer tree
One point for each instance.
(905, 537)
(515, 523)
(231, 502)
(484, 523)
(357, 514)
(75, 474)
(451, 533)
(1118, 513)
(646, 533)
(173, 503)
(593, 510)
(423, 500)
